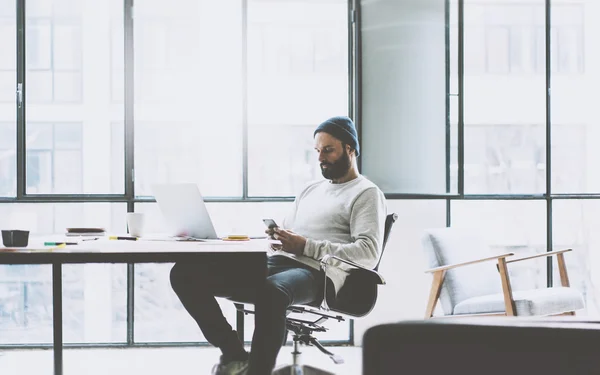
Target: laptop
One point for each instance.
(184, 211)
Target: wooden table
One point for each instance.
(253, 252)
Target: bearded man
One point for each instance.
(343, 215)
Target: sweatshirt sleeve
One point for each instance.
(367, 221)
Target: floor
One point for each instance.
(157, 361)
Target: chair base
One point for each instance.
(300, 370)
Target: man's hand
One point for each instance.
(291, 242)
(270, 233)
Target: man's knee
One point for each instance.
(275, 294)
(184, 275)
(178, 277)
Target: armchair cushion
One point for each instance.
(544, 301)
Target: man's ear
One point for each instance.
(350, 150)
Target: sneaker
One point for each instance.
(231, 368)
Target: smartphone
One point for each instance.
(270, 223)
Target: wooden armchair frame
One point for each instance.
(509, 303)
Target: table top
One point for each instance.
(104, 250)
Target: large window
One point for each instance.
(110, 103)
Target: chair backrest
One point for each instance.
(445, 246)
(389, 222)
(359, 293)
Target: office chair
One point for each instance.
(356, 299)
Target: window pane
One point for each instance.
(94, 296)
(8, 110)
(505, 106)
(188, 95)
(575, 128)
(297, 78)
(509, 226)
(574, 227)
(70, 80)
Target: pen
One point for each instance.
(59, 243)
(122, 238)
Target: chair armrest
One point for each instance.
(450, 266)
(325, 260)
(547, 254)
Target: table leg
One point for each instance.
(57, 317)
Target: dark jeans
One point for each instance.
(288, 283)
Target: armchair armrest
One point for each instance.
(547, 254)
(325, 262)
(450, 266)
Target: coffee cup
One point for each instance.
(135, 223)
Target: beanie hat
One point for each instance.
(342, 128)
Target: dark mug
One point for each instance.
(15, 238)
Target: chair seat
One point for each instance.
(545, 301)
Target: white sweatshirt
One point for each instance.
(346, 220)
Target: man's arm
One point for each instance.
(367, 222)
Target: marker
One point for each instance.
(59, 243)
(122, 238)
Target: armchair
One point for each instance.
(356, 299)
(468, 283)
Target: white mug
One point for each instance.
(135, 223)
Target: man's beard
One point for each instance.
(338, 168)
